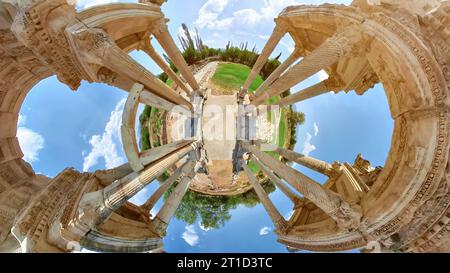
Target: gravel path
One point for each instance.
(204, 74)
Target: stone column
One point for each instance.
(120, 191)
(151, 52)
(330, 202)
(278, 33)
(312, 91)
(151, 155)
(96, 47)
(277, 218)
(150, 203)
(161, 33)
(278, 182)
(327, 54)
(280, 69)
(161, 220)
(309, 162)
(97, 206)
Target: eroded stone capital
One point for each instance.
(93, 44)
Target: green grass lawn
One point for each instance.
(233, 76)
(282, 130)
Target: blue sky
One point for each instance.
(60, 128)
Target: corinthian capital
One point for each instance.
(158, 27)
(347, 216)
(334, 83)
(93, 44)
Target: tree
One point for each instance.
(297, 118)
(214, 211)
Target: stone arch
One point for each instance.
(20, 70)
(417, 92)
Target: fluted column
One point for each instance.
(150, 203)
(277, 219)
(151, 155)
(307, 161)
(161, 33)
(327, 54)
(151, 52)
(120, 191)
(96, 207)
(97, 47)
(278, 33)
(278, 182)
(277, 72)
(312, 91)
(161, 220)
(330, 202)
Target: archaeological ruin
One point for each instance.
(404, 206)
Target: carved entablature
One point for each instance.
(40, 26)
(436, 29)
(35, 222)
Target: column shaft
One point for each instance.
(151, 52)
(163, 217)
(277, 219)
(121, 63)
(307, 93)
(146, 97)
(328, 201)
(165, 40)
(150, 203)
(151, 155)
(273, 41)
(278, 182)
(280, 69)
(324, 56)
(307, 161)
(122, 190)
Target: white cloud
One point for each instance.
(208, 15)
(31, 143)
(211, 16)
(247, 16)
(105, 145)
(316, 129)
(307, 146)
(264, 231)
(190, 235)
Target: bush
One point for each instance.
(194, 51)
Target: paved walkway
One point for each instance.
(219, 126)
